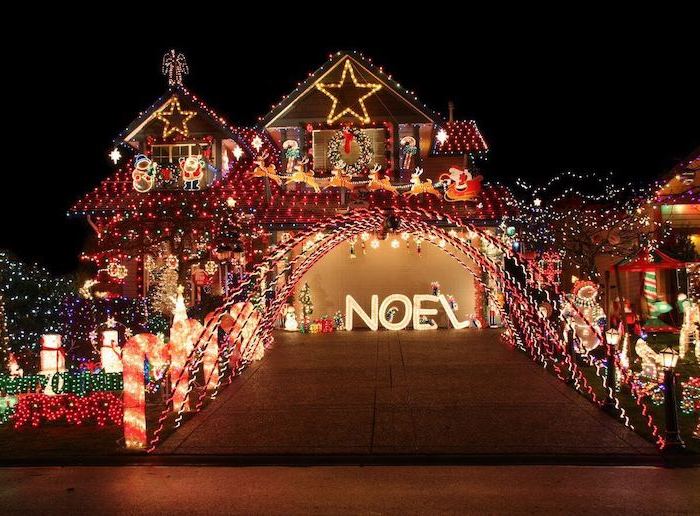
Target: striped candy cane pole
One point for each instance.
(136, 350)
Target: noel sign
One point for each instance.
(414, 312)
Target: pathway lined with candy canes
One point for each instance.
(393, 393)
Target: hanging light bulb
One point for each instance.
(374, 243)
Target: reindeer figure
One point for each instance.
(421, 188)
(266, 171)
(379, 184)
(301, 176)
(340, 179)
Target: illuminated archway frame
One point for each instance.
(526, 327)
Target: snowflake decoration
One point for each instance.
(115, 156)
(111, 322)
(128, 333)
(93, 337)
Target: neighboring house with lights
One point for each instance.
(199, 195)
(678, 200)
(663, 274)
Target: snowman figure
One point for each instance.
(290, 319)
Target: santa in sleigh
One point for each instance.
(460, 185)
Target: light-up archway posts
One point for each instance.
(266, 290)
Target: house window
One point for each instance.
(171, 153)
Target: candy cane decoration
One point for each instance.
(136, 350)
(182, 336)
(210, 364)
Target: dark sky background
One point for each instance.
(587, 92)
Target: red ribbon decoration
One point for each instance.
(348, 140)
(59, 352)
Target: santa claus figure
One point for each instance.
(460, 185)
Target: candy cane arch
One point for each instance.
(137, 350)
(182, 337)
(250, 311)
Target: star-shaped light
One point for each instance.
(257, 143)
(93, 337)
(441, 136)
(128, 333)
(537, 202)
(175, 119)
(115, 156)
(237, 152)
(111, 322)
(346, 95)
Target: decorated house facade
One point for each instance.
(196, 199)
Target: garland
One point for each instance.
(100, 408)
(80, 383)
(344, 136)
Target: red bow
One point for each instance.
(348, 140)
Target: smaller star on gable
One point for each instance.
(174, 119)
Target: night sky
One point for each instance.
(588, 95)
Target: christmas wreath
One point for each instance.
(346, 137)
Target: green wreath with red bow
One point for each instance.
(345, 137)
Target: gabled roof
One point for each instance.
(188, 100)
(312, 102)
(646, 260)
(682, 181)
(459, 137)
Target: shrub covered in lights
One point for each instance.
(32, 299)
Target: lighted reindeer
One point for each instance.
(379, 184)
(262, 170)
(340, 179)
(418, 188)
(301, 176)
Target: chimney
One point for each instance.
(451, 110)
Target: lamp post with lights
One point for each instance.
(669, 357)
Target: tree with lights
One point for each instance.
(163, 290)
(32, 305)
(587, 224)
(307, 307)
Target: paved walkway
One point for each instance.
(410, 392)
(351, 490)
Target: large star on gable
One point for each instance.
(175, 119)
(348, 95)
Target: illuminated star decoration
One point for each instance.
(348, 94)
(257, 143)
(537, 201)
(111, 322)
(128, 333)
(115, 156)
(441, 136)
(175, 120)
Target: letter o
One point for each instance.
(408, 312)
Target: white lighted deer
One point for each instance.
(301, 176)
(379, 184)
(263, 170)
(340, 179)
(418, 188)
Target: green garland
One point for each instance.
(366, 153)
(79, 383)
